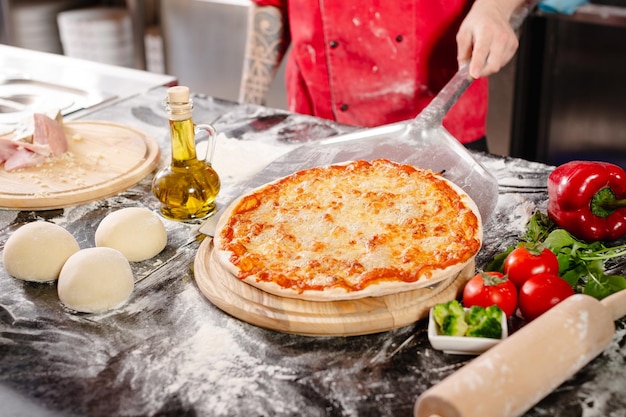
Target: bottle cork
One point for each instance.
(178, 94)
(178, 104)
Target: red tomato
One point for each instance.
(524, 262)
(491, 288)
(542, 292)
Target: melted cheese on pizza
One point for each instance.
(348, 226)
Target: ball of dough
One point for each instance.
(37, 251)
(135, 231)
(94, 280)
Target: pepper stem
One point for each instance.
(615, 204)
(604, 202)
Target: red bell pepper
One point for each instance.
(587, 199)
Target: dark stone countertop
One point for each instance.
(170, 352)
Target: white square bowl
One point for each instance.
(462, 345)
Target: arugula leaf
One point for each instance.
(538, 228)
(604, 286)
(573, 273)
(559, 239)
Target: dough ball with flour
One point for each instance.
(37, 251)
(135, 231)
(94, 280)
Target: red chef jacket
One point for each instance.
(374, 62)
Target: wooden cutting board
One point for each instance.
(335, 318)
(103, 159)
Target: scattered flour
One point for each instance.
(519, 211)
(238, 160)
(208, 364)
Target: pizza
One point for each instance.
(347, 231)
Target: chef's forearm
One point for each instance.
(266, 46)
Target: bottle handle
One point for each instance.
(199, 128)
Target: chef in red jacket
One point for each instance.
(374, 62)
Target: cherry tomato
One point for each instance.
(542, 292)
(524, 262)
(491, 288)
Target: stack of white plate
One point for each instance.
(153, 42)
(35, 23)
(101, 34)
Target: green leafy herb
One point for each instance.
(581, 264)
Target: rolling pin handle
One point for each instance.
(531, 363)
(616, 304)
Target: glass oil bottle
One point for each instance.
(188, 186)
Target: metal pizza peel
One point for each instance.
(423, 142)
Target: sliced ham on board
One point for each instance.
(7, 148)
(49, 132)
(48, 139)
(23, 158)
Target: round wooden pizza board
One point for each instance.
(332, 318)
(103, 159)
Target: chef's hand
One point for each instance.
(486, 38)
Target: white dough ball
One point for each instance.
(135, 231)
(37, 251)
(94, 280)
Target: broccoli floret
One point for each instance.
(489, 327)
(495, 312)
(475, 315)
(485, 322)
(450, 317)
(440, 312)
(454, 325)
(453, 320)
(456, 308)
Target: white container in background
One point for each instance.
(153, 42)
(101, 34)
(34, 23)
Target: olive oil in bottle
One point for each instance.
(188, 187)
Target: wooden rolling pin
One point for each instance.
(517, 373)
